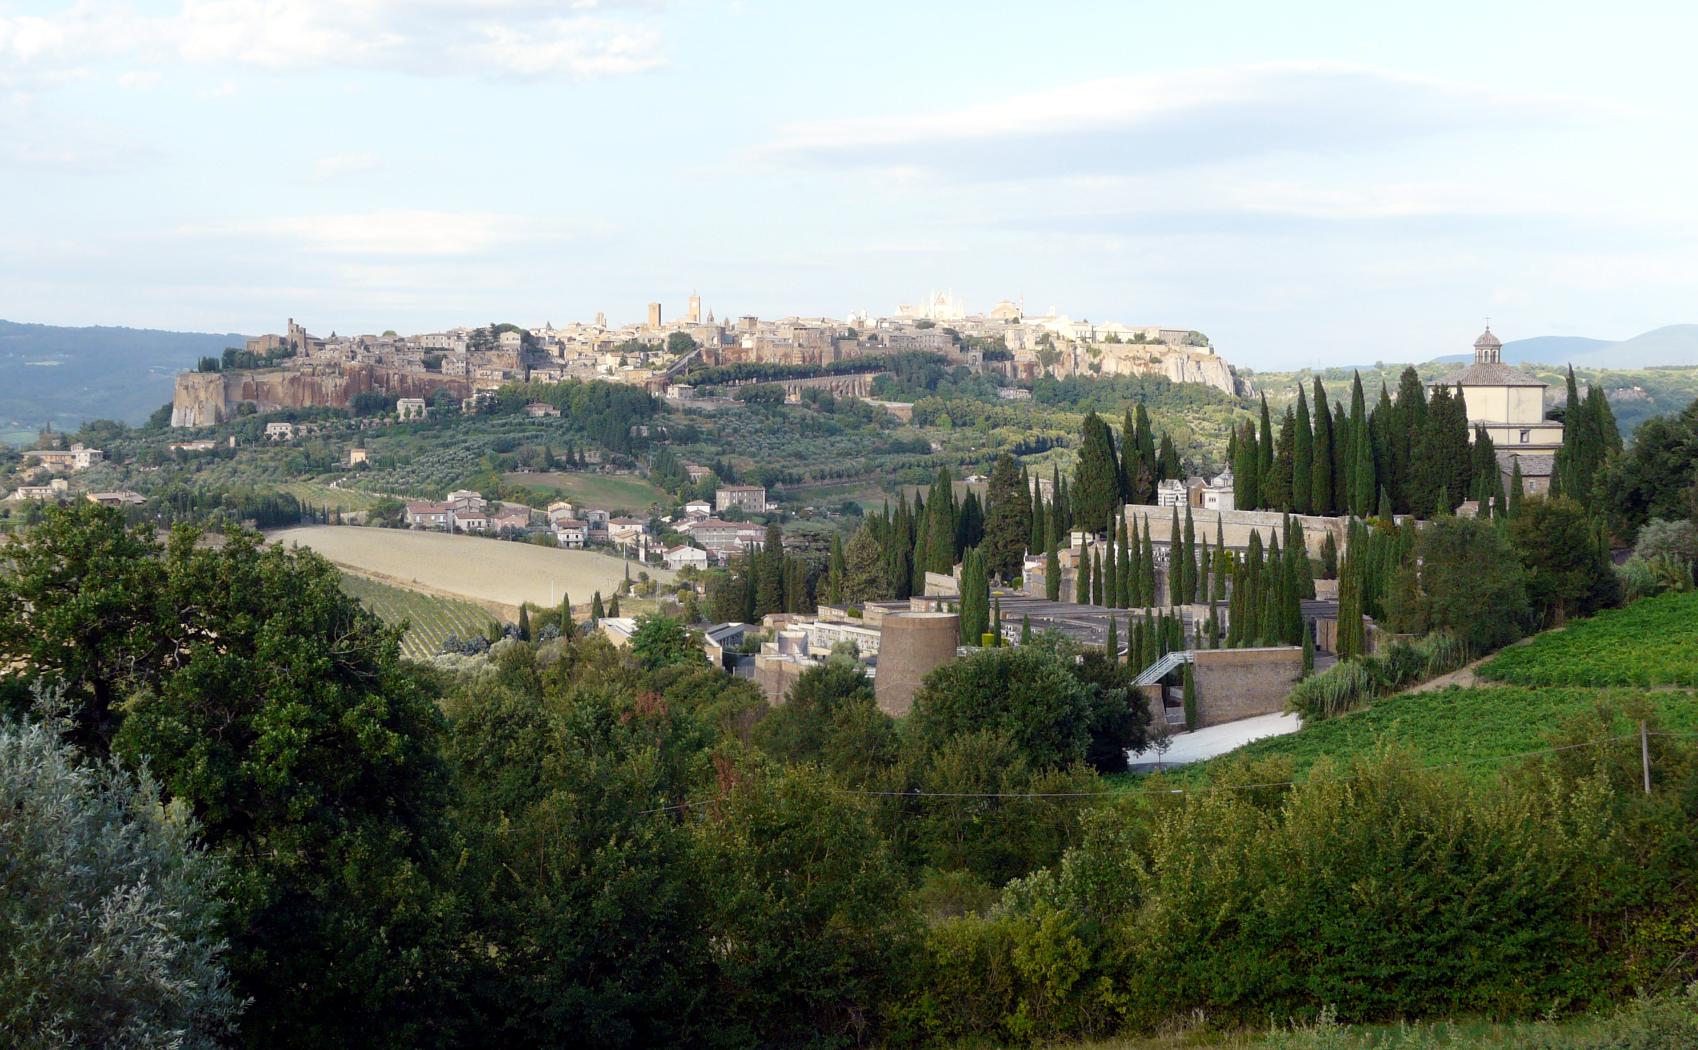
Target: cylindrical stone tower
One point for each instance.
(910, 645)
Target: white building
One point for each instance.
(752, 498)
(571, 532)
(279, 431)
(686, 558)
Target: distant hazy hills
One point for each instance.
(1675, 344)
(69, 375)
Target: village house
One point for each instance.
(539, 409)
(696, 472)
(510, 519)
(426, 514)
(724, 538)
(407, 408)
(685, 558)
(72, 459)
(280, 431)
(698, 508)
(120, 498)
(48, 492)
(751, 498)
(571, 532)
(358, 455)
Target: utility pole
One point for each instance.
(1645, 755)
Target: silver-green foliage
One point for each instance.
(108, 909)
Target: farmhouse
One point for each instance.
(120, 498)
(752, 498)
(72, 459)
(50, 491)
(685, 557)
(571, 532)
(280, 431)
(426, 514)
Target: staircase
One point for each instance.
(1161, 668)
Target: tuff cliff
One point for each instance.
(205, 398)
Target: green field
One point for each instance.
(430, 619)
(1651, 642)
(613, 492)
(1475, 730)
(313, 494)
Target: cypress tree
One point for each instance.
(1350, 632)
(1025, 629)
(1135, 574)
(1188, 562)
(1246, 469)
(1147, 571)
(1276, 480)
(1302, 457)
(1201, 591)
(1097, 596)
(1167, 460)
(1320, 488)
(1175, 551)
(1111, 574)
(613, 606)
(525, 622)
(1038, 516)
(1409, 421)
(1112, 645)
(1052, 573)
(1123, 568)
(1008, 524)
(1057, 509)
(597, 612)
(1516, 488)
(1265, 450)
(1096, 486)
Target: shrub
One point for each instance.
(109, 919)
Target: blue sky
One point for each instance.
(1305, 182)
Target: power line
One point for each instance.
(1201, 789)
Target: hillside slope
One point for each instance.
(64, 376)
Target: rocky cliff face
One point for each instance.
(1207, 369)
(205, 398)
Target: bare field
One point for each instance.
(486, 571)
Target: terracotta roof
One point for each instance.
(1489, 374)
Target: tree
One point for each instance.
(77, 596)
(864, 577)
(1302, 457)
(1008, 523)
(1096, 488)
(524, 622)
(598, 612)
(1566, 559)
(1025, 692)
(287, 723)
(1190, 692)
(1276, 482)
(1322, 499)
(975, 598)
(806, 906)
(1468, 581)
(109, 926)
(1655, 478)
(661, 641)
(1052, 573)
(801, 729)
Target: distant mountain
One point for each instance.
(1675, 344)
(66, 376)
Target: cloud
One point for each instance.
(485, 38)
(399, 233)
(138, 80)
(1152, 122)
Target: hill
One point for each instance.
(66, 376)
(1671, 345)
(1675, 344)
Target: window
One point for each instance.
(1526, 436)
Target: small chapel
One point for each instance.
(1509, 405)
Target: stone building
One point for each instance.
(1509, 405)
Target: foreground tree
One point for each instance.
(1566, 556)
(109, 923)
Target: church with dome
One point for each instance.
(1509, 405)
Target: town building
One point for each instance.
(751, 498)
(1509, 405)
(49, 492)
(280, 431)
(407, 408)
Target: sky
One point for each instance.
(1307, 183)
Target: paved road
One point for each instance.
(1214, 740)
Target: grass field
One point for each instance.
(1477, 730)
(313, 494)
(430, 618)
(613, 492)
(1651, 642)
(469, 567)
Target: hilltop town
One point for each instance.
(296, 369)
